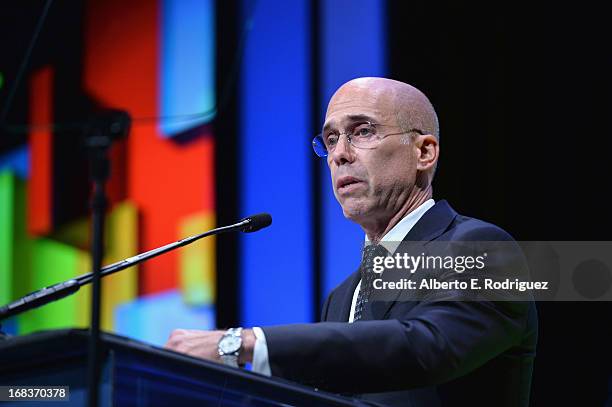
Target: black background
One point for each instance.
(524, 97)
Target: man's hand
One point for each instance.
(204, 344)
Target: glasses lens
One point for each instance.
(364, 135)
(319, 147)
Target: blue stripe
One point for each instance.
(276, 264)
(17, 161)
(187, 71)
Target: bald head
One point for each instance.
(405, 104)
(379, 182)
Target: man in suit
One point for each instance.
(381, 142)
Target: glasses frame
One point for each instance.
(320, 149)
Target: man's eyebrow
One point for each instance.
(353, 118)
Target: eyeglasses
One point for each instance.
(361, 135)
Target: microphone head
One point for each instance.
(256, 222)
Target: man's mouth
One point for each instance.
(346, 184)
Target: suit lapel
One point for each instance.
(340, 307)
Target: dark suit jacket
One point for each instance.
(416, 353)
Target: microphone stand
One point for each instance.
(99, 135)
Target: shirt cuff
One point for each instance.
(261, 364)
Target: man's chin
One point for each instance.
(354, 211)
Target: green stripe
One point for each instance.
(7, 192)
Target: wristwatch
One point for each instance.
(229, 346)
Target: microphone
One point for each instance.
(55, 292)
(257, 222)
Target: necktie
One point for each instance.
(367, 276)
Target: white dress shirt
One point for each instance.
(261, 363)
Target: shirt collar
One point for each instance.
(393, 237)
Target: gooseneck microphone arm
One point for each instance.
(55, 292)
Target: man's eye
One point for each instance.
(363, 132)
(331, 140)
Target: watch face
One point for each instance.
(230, 344)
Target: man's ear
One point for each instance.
(428, 151)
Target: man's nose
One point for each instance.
(343, 153)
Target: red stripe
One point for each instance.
(40, 221)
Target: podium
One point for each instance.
(138, 374)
